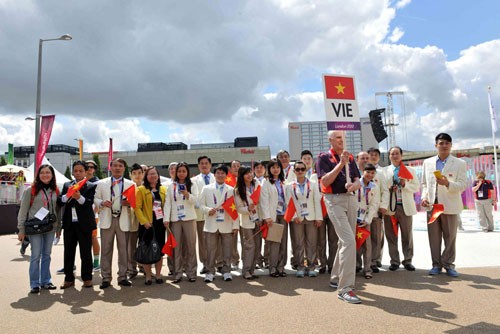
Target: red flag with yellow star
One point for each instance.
(230, 207)
(341, 88)
(361, 235)
(264, 228)
(130, 195)
(404, 173)
(76, 187)
(437, 210)
(394, 222)
(256, 195)
(290, 211)
(230, 180)
(169, 246)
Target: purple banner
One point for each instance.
(343, 126)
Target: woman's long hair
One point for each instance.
(241, 188)
(146, 181)
(187, 181)
(281, 176)
(38, 184)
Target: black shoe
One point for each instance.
(409, 267)
(192, 279)
(132, 276)
(49, 286)
(203, 271)
(148, 282)
(159, 280)
(283, 274)
(35, 290)
(379, 264)
(219, 270)
(276, 274)
(125, 282)
(104, 285)
(393, 267)
(358, 269)
(322, 270)
(375, 269)
(294, 267)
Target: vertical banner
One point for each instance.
(10, 157)
(80, 148)
(43, 140)
(341, 106)
(110, 153)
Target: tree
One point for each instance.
(67, 173)
(2, 161)
(98, 171)
(127, 173)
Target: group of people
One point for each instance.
(316, 204)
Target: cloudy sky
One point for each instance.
(208, 71)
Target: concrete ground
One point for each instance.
(393, 302)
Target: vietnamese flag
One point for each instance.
(361, 235)
(324, 211)
(76, 187)
(264, 228)
(290, 211)
(230, 207)
(404, 173)
(256, 195)
(130, 195)
(394, 222)
(169, 246)
(230, 180)
(437, 210)
(337, 87)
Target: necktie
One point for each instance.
(207, 179)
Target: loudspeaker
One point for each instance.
(377, 124)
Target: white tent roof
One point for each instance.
(60, 178)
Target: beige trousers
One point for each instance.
(107, 245)
(405, 224)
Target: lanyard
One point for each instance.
(47, 200)
(287, 171)
(215, 198)
(279, 189)
(120, 182)
(308, 189)
(367, 192)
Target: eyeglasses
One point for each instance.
(90, 166)
(300, 169)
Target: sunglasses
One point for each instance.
(300, 169)
(90, 166)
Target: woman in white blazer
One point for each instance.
(249, 218)
(180, 215)
(307, 219)
(272, 205)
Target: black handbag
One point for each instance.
(37, 226)
(148, 253)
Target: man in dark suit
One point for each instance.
(78, 222)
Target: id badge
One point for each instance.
(219, 215)
(303, 210)
(479, 193)
(399, 196)
(361, 215)
(157, 209)
(254, 216)
(42, 213)
(180, 211)
(74, 217)
(281, 207)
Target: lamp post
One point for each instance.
(38, 90)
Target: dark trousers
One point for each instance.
(74, 236)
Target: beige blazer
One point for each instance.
(383, 191)
(103, 193)
(455, 171)
(268, 203)
(313, 202)
(170, 207)
(371, 209)
(206, 202)
(407, 192)
(200, 183)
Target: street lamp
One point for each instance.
(65, 37)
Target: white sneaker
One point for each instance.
(228, 277)
(209, 278)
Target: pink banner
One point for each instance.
(43, 139)
(110, 153)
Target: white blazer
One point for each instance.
(290, 175)
(242, 208)
(313, 202)
(383, 191)
(371, 209)
(206, 202)
(199, 180)
(171, 203)
(407, 192)
(455, 171)
(103, 193)
(268, 203)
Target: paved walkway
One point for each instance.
(393, 302)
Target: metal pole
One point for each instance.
(37, 114)
(493, 126)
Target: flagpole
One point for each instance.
(493, 130)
